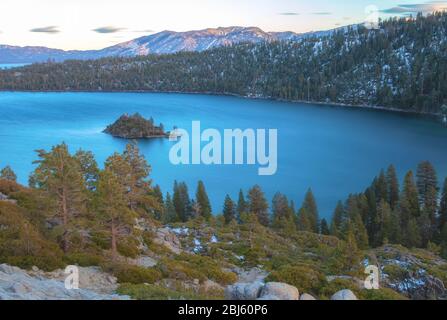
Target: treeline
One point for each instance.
(402, 65)
(80, 199)
(414, 215)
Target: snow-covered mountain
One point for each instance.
(159, 43)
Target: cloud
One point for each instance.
(428, 7)
(144, 31)
(108, 29)
(289, 14)
(49, 29)
(395, 10)
(323, 13)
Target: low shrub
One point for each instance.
(133, 274)
(305, 278)
(336, 285)
(154, 292)
(190, 267)
(84, 259)
(128, 247)
(381, 294)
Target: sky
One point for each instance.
(95, 24)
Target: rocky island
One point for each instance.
(135, 127)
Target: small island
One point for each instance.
(136, 127)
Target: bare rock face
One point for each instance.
(280, 290)
(261, 291)
(18, 284)
(306, 296)
(4, 197)
(344, 295)
(244, 291)
(167, 238)
(90, 278)
(211, 286)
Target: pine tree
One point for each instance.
(283, 216)
(346, 256)
(182, 202)
(384, 223)
(426, 179)
(370, 221)
(303, 221)
(311, 207)
(361, 235)
(229, 210)
(409, 204)
(113, 209)
(89, 167)
(139, 187)
(395, 227)
(170, 214)
(158, 195)
(381, 187)
(59, 175)
(443, 208)
(242, 206)
(133, 171)
(258, 205)
(393, 187)
(8, 174)
(203, 201)
(430, 216)
(338, 219)
(324, 227)
(412, 235)
(444, 242)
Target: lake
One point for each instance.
(334, 150)
(12, 65)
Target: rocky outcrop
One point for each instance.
(411, 273)
(252, 275)
(4, 197)
(280, 290)
(419, 286)
(261, 291)
(344, 295)
(306, 296)
(167, 238)
(244, 291)
(207, 287)
(18, 284)
(90, 278)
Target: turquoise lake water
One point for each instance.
(12, 65)
(334, 150)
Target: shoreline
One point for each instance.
(249, 97)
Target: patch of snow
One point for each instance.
(214, 239)
(180, 231)
(197, 246)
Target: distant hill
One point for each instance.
(402, 65)
(159, 43)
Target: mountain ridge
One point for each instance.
(164, 42)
